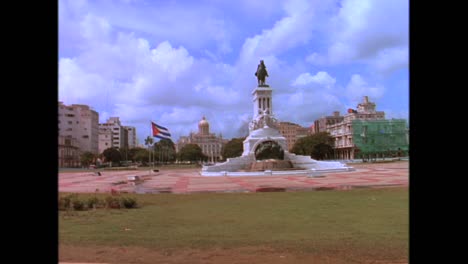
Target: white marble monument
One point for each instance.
(262, 129)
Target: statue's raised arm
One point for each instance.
(261, 73)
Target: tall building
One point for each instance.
(105, 138)
(80, 123)
(320, 125)
(210, 144)
(119, 133)
(365, 131)
(292, 132)
(132, 139)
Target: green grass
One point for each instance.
(305, 221)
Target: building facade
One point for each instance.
(292, 132)
(132, 138)
(210, 144)
(320, 125)
(119, 133)
(81, 123)
(364, 131)
(105, 138)
(69, 154)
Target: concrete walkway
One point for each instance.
(190, 180)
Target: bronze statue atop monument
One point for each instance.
(261, 73)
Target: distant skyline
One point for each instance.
(173, 62)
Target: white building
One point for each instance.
(210, 144)
(132, 139)
(105, 138)
(119, 133)
(80, 123)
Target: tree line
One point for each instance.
(318, 146)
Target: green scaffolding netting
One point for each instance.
(380, 136)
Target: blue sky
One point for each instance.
(173, 62)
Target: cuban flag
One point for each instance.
(160, 131)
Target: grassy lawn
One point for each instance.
(365, 222)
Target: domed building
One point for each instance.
(210, 144)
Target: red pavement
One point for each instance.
(190, 180)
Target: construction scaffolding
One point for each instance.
(380, 138)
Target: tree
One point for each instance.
(124, 153)
(233, 148)
(149, 142)
(318, 146)
(87, 158)
(191, 152)
(112, 155)
(322, 151)
(165, 150)
(133, 151)
(141, 155)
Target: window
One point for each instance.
(85, 136)
(70, 122)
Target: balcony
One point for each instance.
(349, 145)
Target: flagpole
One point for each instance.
(149, 152)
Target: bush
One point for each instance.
(72, 201)
(78, 205)
(112, 202)
(62, 204)
(66, 202)
(129, 202)
(94, 201)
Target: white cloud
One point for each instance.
(166, 62)
(367, 31)
(389, 60)
(358, 87)
(120, 74)
(95, 28)
(172, 61)
(290, 31)
(305, 106)
(321, 78)
(75, 84)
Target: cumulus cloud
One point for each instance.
(358, 87)
(173, 64)
(321, 78)
(389, 60)
(290, 31)
(121, 74)
(305, 106)
(368, 32)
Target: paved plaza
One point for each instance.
(190, 181)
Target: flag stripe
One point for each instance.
(161, 127)
(162, 137)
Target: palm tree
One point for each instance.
(149, 142)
